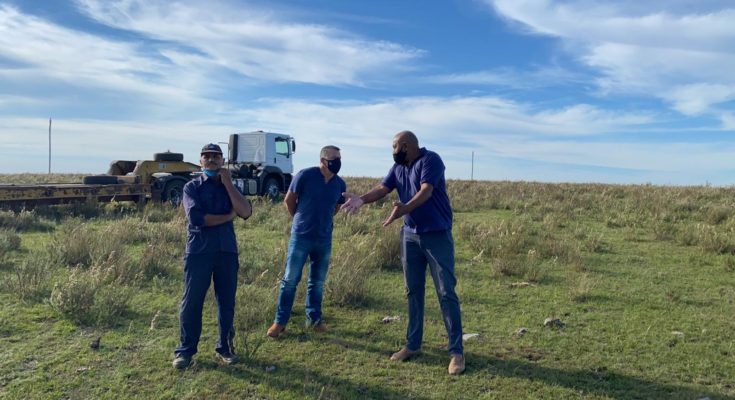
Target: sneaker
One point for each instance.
(181, 361)
(276, 330)
(456, 364)
(404, 354)
(227, 358)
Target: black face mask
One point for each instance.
(334, 165)
(400, 157)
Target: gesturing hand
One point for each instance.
(399, 210)
(353, 203)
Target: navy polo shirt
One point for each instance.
(316, 203)
(205, 195)
(436, 213)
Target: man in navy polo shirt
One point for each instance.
(426, 239)
(211, 202)
(312, 200)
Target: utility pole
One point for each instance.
(49, 145)
(472, 171)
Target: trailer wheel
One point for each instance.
(271, 188)
(99, 180)
(173, 192)
(168, 156)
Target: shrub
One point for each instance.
(9, 241)
(110, 303)
(80, 245)
(157, 261)
(84, 298)
(23, 220)
(664, 231)
(29, 279)
(717, 214)
(711, 239)
(159, 213)
(74, 297)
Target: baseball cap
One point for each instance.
(211, 148)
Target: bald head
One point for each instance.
(408, 138)
(405, 147)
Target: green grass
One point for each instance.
(643, 278)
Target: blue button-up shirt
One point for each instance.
(316, 203)
(436, 213)
(205, 195)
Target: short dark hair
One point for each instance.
(325, 150)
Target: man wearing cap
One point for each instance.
(312, 200)
(211, 203)
(426, 239)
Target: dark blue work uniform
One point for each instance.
(426, 239)
(211, 255)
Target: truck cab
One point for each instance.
(261, 162)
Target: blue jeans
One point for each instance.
(318, 251)
(435, 249)
(199, 271)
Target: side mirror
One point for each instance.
(293, 146)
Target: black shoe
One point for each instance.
(182, 361)
(227, 358)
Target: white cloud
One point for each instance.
(502, 134)
(255, 43)
(506, 77)
(660, 48)
(46, 53)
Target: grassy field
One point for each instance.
(642, 279)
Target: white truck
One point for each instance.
(261, 162)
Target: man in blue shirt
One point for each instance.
(211, 202)
(312, 200)
(426, 239)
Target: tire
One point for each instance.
(99, 180)
(173, 192)
(168, 156)
(271, 188)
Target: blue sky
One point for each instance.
(556, 91)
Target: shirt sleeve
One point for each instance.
(343, 188)
(193, 206)
(432, 169)
(297, 184)
(390, 180)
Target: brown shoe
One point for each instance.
(404, 354)
(456, 364)
(276, 330)
(321, 327)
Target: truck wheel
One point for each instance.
(271, 188)
(173, 192)
(168, 156)
(99, 180)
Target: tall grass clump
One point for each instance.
(710, 239)
(255, 306)
(84, 298)
(78, 244)
(9, 241)
(30, 279)
(23, 220)
(717, 214)
(351, 266)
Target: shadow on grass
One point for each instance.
(597, 381)
(306, 383)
